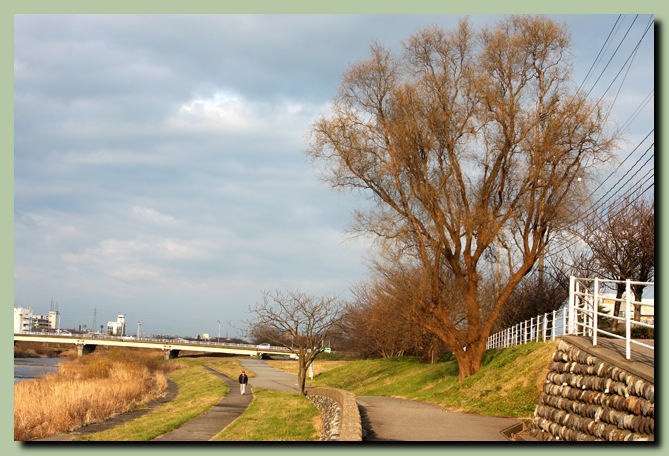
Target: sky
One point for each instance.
(159, 165)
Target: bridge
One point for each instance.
(171, 347)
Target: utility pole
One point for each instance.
(139, 325)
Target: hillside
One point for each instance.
(508, 384)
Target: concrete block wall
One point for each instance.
(587, 398)
(340, 413)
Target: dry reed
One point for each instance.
(86, 391)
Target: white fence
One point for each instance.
(588, 305)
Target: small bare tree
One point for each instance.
(299, 321)
(621, 237)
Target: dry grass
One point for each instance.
(86, 391)
(198, 390)
(24, 349)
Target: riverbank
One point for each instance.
(43, 350)
(87, 390)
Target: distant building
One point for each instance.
(646, 309)
(117, 328)
(22, 320)
(26, 321)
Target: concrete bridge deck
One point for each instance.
(171, 347)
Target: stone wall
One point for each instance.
(339, 412)
(587, 398)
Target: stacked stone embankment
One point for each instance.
(339, 412)
(587, 398)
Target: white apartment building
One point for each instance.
(117, 328)
(26, 321)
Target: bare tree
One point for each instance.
(374, 325)
(299, 321)
(533, 296)
(622, 239)
(471, 146)
(380, 323)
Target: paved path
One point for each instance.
(268, 377)
(388, 418)
(214, 420)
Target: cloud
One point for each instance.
(159, 165)
(153, 216)
(224, 112)
(48, 224)
(138, 259)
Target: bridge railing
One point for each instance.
(181, 341)
(587, 314)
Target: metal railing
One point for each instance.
(538, 329)
(586, 315)
(179, 341)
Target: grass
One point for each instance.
(275, 416)
(199, 390)
(508, 384)
(272, 415)
(85, 391)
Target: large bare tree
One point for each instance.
(473, 147)
(299, 321)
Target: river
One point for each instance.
(32, 368)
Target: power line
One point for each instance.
(612, 55)
(599, 55)
(601, 200)
(629, 59)
(638, 110)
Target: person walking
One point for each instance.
(243, 380)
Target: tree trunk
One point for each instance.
(301, 382)
(620, 289)
(302, 373)
(469, 359)
(637, 291)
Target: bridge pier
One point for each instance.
(85, 349)
(171, 353)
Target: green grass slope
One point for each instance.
(508, 384)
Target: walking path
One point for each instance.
(384, 418)
(268, 377)
(214, 420)
(389, 418)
